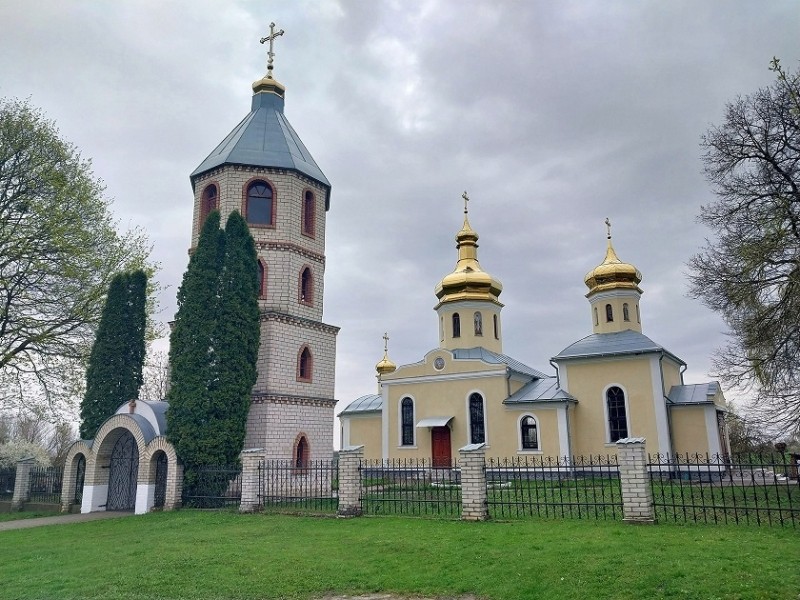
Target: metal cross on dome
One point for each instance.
(271, 38)
(386, 341)
(466, 199)
(608, 226)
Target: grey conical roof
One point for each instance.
(264, 138)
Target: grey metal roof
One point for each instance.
(434, 422)
(612, 344)
(496, 358)
(264, 138)
(540, 390)
(697, 393)
(364, 404)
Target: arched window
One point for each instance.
(609, 313)
(456, 325)
(259, 205)
(638, 318)
(306, 286)
(478, 318)
(496, 328)
(617, 417)
(626, 315)
(208, 202)
(308, 213)
(262, 280)
(477, 426)
(441, 329)
(407, 422)
(596, 319)
(529, 433)
(301, 453)
(304, 364)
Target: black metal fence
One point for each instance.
(213, 487)
(7, 478)
(761, 489)
(410, 487)
(579, 487)
(285, 487)
(46, 484)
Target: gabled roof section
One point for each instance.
(697, 393)
(540, 390)
(618, 343)
(365, 404)
(264, 138)
(496, 358)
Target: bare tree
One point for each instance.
(750, 272)
(156, 376)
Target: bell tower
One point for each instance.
(264, 170)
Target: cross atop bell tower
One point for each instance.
(271, 39)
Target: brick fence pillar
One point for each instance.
(474, 500)
(350, 481)
(22, 484)
(637, 492)
(252, 462)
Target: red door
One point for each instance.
(440, 442)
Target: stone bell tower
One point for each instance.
(264, 170)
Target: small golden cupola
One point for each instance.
(385, 366)
(614, 293)
(469, 305)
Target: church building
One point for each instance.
(613, 384)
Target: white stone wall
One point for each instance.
(274, 425)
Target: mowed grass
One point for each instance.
(192, 554)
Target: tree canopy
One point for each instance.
(59, 249)
(214, 347)
(114, 374)
(750, 271)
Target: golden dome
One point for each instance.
(468, 281)
(612, 273)
(385, 365)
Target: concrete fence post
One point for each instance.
(252, 460)
(637, 492)
(22, 483)
(474, 499)
(350, 481)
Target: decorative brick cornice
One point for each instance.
(270, 315)
(265, 398)
(292, 247)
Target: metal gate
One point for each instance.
(122, 477)
(80, 475)
(161, 481)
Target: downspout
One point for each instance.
(508, 382)
(683, 370)
(667, 408)
(555, 366)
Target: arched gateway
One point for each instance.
(129, 465)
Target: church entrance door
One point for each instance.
(440, 444)
(124, 470)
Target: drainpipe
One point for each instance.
(683, 370)
(558, 379)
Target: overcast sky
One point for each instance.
(552, 115)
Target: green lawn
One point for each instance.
(192, 554)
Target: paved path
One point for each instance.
(61, 520)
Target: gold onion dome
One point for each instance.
(385, 365)
(468, 281)
(612, 273)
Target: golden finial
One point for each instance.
(608, 227)
(270, 54)
(385, 365)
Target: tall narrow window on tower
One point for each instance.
(456, 325)
(262, 279)
(308, 213)
(306, 287)
(259, 204)
(304, 364)
(208, 202)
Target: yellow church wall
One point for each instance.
(689, 433)
(588, 382)
(366, 431)
(505, 436)
(601, 324)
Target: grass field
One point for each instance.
(192, 554)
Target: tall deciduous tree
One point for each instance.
(750, 272)
(214, 346)
(114, 374)
(59, 249)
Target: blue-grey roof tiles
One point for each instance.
(264, 138)
(540, 390)
(696, 393)
(613, 344)
(496, 358)
(365, 404)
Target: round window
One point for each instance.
(438, 364)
